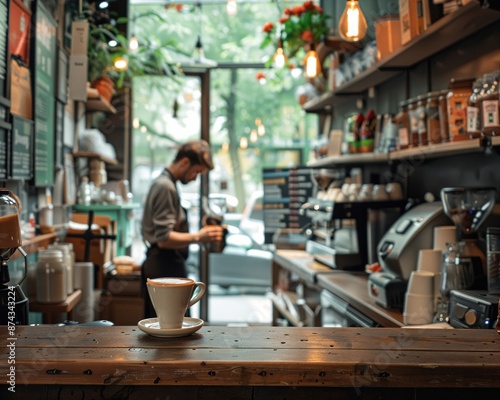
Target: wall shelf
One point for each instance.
(427, 152)
(447, 31)
(95, 102)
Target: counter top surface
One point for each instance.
(351, 286)
(254, 356)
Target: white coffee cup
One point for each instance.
(430, 260)
(418, 310)
(442, 235)
(171, 297)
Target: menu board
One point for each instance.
(45, 67)
(21, 147)
(3, 45)
(4, 137)
(285, 191)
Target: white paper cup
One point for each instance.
(421, 283)
(442, 235)
(394, 190)
(418, 310)
(430, 260)
(171, 297)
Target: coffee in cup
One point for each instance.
(171, 297)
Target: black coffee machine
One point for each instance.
(14, 309)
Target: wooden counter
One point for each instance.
(247, 362)
(350, 286)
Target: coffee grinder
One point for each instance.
(13, 303)
(471, 307)
(468, 208)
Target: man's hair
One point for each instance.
(197, 151)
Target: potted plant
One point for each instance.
(107, 45)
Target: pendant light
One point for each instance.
(352, 24)
(199, 53)
(312, 65)
(279, 58)
(231, 8)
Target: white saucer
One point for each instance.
(152, 327)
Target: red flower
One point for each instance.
(307, 36)
(288, 11)
(319, 9)
(298, 10)
(291, 66)
(268, 27)
(179, 7)
(283, 19)
(309, 5)
(260, 75)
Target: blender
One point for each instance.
(468, 207)
(14, 308)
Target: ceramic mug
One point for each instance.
(171, 297)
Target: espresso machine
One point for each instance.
(14, 304)
(341, 236)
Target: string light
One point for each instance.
(121, 64)
(279, 59)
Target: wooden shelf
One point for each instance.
(429, 151)
(95, 102)
(449, 30)
(88, 154)
(349, 159)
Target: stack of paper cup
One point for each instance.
(442, 235)
(84, 280)
(431, 260)
(419, 300)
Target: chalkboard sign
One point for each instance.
(4, 23)
(45, 66)
(21, 147)
(285, 190)
(4, 137)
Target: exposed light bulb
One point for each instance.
(121, 64)
(279, 58)
(253, 136)
(352, 24)
(312, 64)
(231, 8)
(261, 130)
(198, 53)
(112, 43)
(135, 123)
(133, 43)
(243, 143)
(103, 5)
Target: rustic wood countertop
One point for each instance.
(351, 286)
(253, 356)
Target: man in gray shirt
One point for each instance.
(164, 225)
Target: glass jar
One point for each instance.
(473, 114)
(402, 120)
(422, 120)
(413, 114)
(457, 100)
(443, 116)
(51, 277)
(10, 229)
(432, 114)
(69, 263)
(488, 100)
